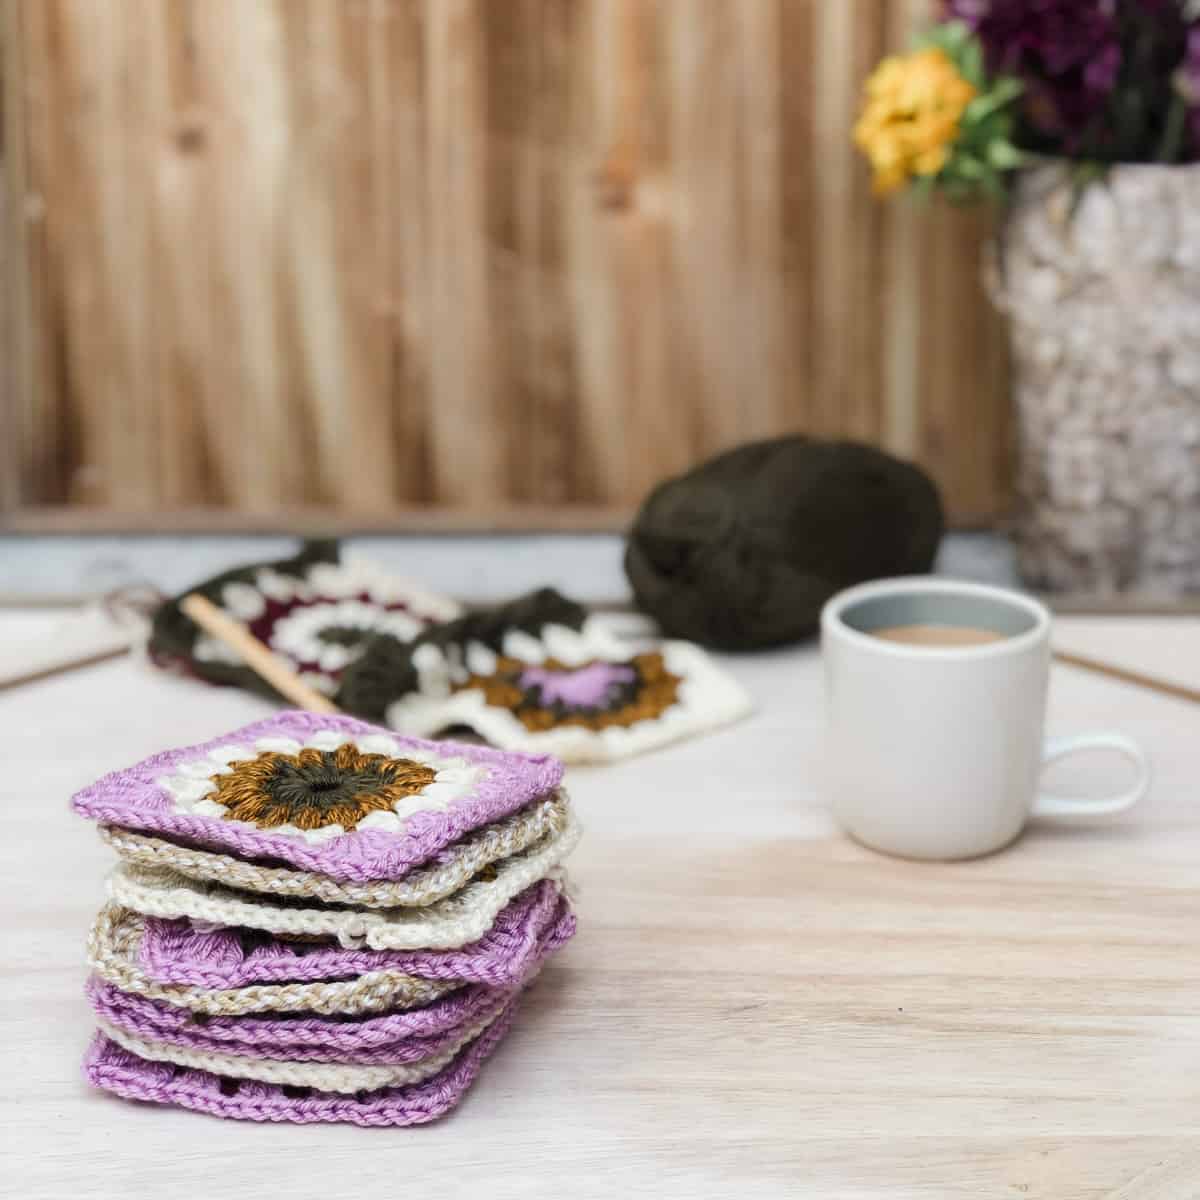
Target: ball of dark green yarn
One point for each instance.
(742, 551)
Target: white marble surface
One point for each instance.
(754, 1007)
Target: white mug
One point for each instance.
(935, 750)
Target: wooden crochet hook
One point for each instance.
(256, 656)
(1163, 686)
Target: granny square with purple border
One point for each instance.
(176, 952)
(282, 788)
(115, 1070)
(403, 1037)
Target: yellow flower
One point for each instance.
(911, 116)
(930, 162)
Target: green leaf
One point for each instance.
(1005, 156)
(967, 166)
(950, 36)
(978, 110)
(971, 64)
(1006, 89)
(956, 34)
(988, 104)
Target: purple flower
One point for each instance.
(1097, 73)
(1067, 51)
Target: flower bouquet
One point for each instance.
(1082, 117)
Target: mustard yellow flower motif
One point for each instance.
(317, 788)
(911, 117)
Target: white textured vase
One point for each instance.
(1103, 292)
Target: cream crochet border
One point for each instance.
(455, 921)
(418, 889)
(116, 938)
(325, 1077)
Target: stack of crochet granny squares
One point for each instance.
(314, 919)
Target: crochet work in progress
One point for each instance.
(314, 610)
(537, 674)
(540, 675)
(316, 920)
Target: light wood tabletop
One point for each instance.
(753, 1007)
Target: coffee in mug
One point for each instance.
(936, 692)
(937, 635)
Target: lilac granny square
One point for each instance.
(397, 1038)
(407, 1035)
(322, 793)
(115, 1070)
(535, 923)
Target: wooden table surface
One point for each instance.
(754, 1006)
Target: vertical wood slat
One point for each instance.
(510, 83)
(366, 253)
(613, 243)
(399, 74)
(905, 231)
(554, 376)
(41, 410)
(466, 438)
(180, 270)
(845, 383)
(21, 388)
(12, 358)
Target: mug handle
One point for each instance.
(1047, 805)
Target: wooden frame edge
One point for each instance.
(72, 519)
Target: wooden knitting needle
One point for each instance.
(1163, 686)
(90, 636)
(257, 657)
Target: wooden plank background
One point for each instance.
(361, 256)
